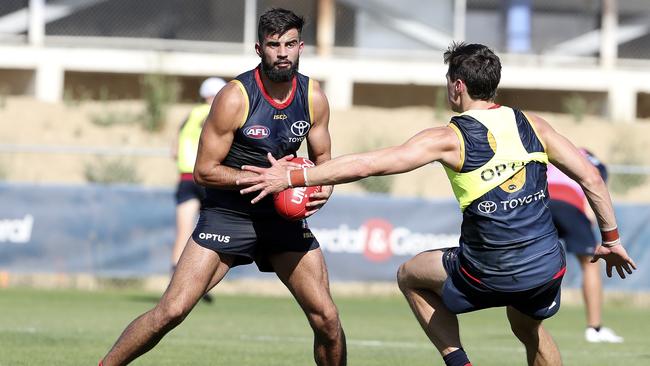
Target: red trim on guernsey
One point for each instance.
(268, 97)
(560, 273)
(495, 106)
(187, 176)
(469, 275)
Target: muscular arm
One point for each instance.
(319, 144)
(433, 144)
(226, 115)
(571, 162)
(564, 155)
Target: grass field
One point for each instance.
(65, 327)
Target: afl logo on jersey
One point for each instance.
(487, 207)
(300, 128)
(257, 132)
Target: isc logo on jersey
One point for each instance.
(257, 132)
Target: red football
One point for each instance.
(291, 202)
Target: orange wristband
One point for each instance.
(297, 178)
(609, 236)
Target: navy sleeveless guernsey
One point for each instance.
(508, 239)
(267, 126)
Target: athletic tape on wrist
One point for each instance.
(296, 178)
(609, 244)
(609, 235)
(304, 175)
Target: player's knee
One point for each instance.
(171, 313)
(525, 333)
(326, 323)
(403, 276)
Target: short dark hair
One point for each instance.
(278, 21)
(476, 65)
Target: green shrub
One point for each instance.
(628, 153)
(108, 118)
(577, 106)
(159, 91)
(377, 184)
(441, 105)
(622, 182)
(72, 98)
(108, 171)
(383, 184)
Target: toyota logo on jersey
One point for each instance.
(487, 207)
(300, 128)
(257, 132)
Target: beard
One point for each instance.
(278, 75)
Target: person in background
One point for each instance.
(188, 193)
(570, 209)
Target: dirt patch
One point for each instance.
(61, 127)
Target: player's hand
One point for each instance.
(268, 180)
(317, 200)
(614, 257)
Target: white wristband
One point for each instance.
(609, 244)
(289, 179)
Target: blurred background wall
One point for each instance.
(92, 92)
(597, 49)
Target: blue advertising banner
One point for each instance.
(125, 231)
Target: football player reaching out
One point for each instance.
(569, 210)
(509, 254)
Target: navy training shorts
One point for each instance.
(251, 236)
(462, 294)
(573, 228)
(187, 190)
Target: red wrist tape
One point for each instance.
(609, 236)
(297, 178)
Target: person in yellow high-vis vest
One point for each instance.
(509, 254)
(188, 193)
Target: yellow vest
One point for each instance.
(510, 156)
(188, 138)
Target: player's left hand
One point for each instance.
(317, 200)
(614, 257)
(268, 180)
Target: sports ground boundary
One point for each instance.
(263, 287)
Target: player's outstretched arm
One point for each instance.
(433, 144)
(563, 154)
